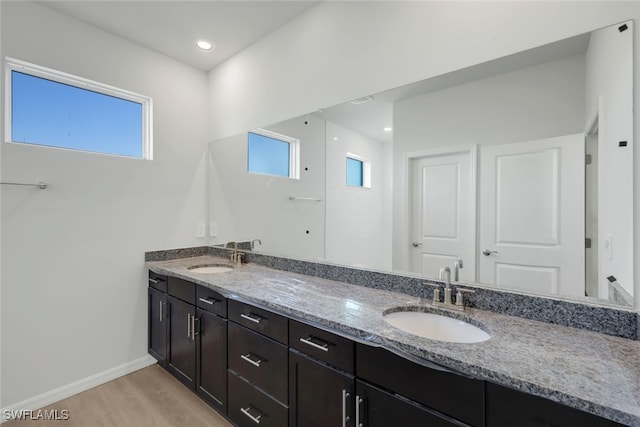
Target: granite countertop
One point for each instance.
(592, 372)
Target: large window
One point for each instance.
(50, 108)
(271, 153)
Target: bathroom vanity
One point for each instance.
(276, 348)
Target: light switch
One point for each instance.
(213, 229)
(200, 230)
(607, 244)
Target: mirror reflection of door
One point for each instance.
(532, 231)
(443, 194)
(591, 211)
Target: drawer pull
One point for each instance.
(308, 341)
(209, 301)
(154, 281)
(256, 319)
(248, 414)
(247, 358)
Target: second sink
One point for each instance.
(436, 327)
(210, 268)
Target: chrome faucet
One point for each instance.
(236, 257)
(457, 266)
(445, 274)
(447, 302)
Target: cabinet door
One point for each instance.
(507, 408)
(157, 334)
(319, 396)
(181, 358)
(377, 408)
(211, 359)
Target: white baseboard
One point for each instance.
(84, 384)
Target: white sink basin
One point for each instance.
(436, 327)
(210, 268)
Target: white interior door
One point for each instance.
(443, 208)
(532, 215)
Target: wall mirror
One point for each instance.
(520, 169)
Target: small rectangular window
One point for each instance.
(354, 172)
(270, 153)
(358, 171)
(49, 108)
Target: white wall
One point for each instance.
(247, 206)
(533, 103)
(357, 221)
(73, 279)
(609, 77)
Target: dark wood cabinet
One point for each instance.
(157, 318)
(260, 367)
(181, 358)
(195, 339)
(263, 321)
(507, 407)
(249, 406)
(260, 360)
(211, 359)
(378, 408)
(319, 395)
(428, 384)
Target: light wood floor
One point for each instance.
(148, 397)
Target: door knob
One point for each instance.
(416, 244)
(487, 252)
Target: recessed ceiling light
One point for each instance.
(205, 45)
(388, 129)
(362, 100)
(335, 138)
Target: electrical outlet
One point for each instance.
(213, 229)
(200, 230)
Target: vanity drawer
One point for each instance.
(322, 345)
(260, 360)
(209, 300)
(263, 321)
(436, 387)
(158, 281)
(249, 407)
(182, 289)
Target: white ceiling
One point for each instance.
(172, 27)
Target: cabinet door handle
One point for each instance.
(195, 332)
(256, 319)
(324, 346)
(251, 417)
(359, 402)
(161, 310)
(209, 301)
(193, 327)
(345, 417)
(247, 358)
(154, 281)
(188, 325)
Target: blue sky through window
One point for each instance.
(268, 155)
(45, 112)
(354, 172)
